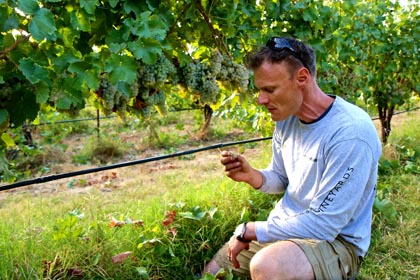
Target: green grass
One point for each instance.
(62, 230)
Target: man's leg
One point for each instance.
(212, 267)
(294, 258)
(281, 260)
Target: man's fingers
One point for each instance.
(235, 262)
(233, 165)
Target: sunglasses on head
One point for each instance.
(280, 44)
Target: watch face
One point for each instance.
(239, 230)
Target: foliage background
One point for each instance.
(56, 53)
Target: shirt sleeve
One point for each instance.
(343, 189)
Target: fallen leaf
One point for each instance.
(170, 216)
(173, 231)
(115, 223)
(75, 272)
(121, 257)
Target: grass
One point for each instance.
(172, 216)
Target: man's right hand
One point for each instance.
(238, 168)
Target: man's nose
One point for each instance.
(262, 98)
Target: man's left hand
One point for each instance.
(234, 248)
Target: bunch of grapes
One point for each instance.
(155, 98)
(203, 77)
(159, 101)
(157, 74)
(111, 99)
(233, 75)
(200, 78)
(150, 80)
(6, 93)
(216, 60)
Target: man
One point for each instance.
(325, 160)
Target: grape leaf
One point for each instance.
(148, 26)
(42, 25)
(32, 71)
(8, 22)
(121, 69)
(42, 92)
(24, 107)
(145, 49)
(113, 3)
(89, 5)
(134, 6)
(28, 6)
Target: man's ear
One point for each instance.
(303, 76)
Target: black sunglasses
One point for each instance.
(280, 44)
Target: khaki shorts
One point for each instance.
(329, 260)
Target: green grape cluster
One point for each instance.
(157, 74)
(144, 102)
(150, 80)
(6, 93)
(111, 99)
(233, 75)
(159, 101)
(203, 77)
(200, 78)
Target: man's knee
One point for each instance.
(281, 260)
(258, 266)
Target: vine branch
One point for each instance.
(214, 32)
(13, 46)
(184, 10)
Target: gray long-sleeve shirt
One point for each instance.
(328, 171)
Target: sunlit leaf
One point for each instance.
(7, 139)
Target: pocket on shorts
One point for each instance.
(348, 261)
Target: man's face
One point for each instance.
(278, 90)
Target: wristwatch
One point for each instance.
(240, 233)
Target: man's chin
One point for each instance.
(277, 118)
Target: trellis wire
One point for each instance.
(124, 164)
